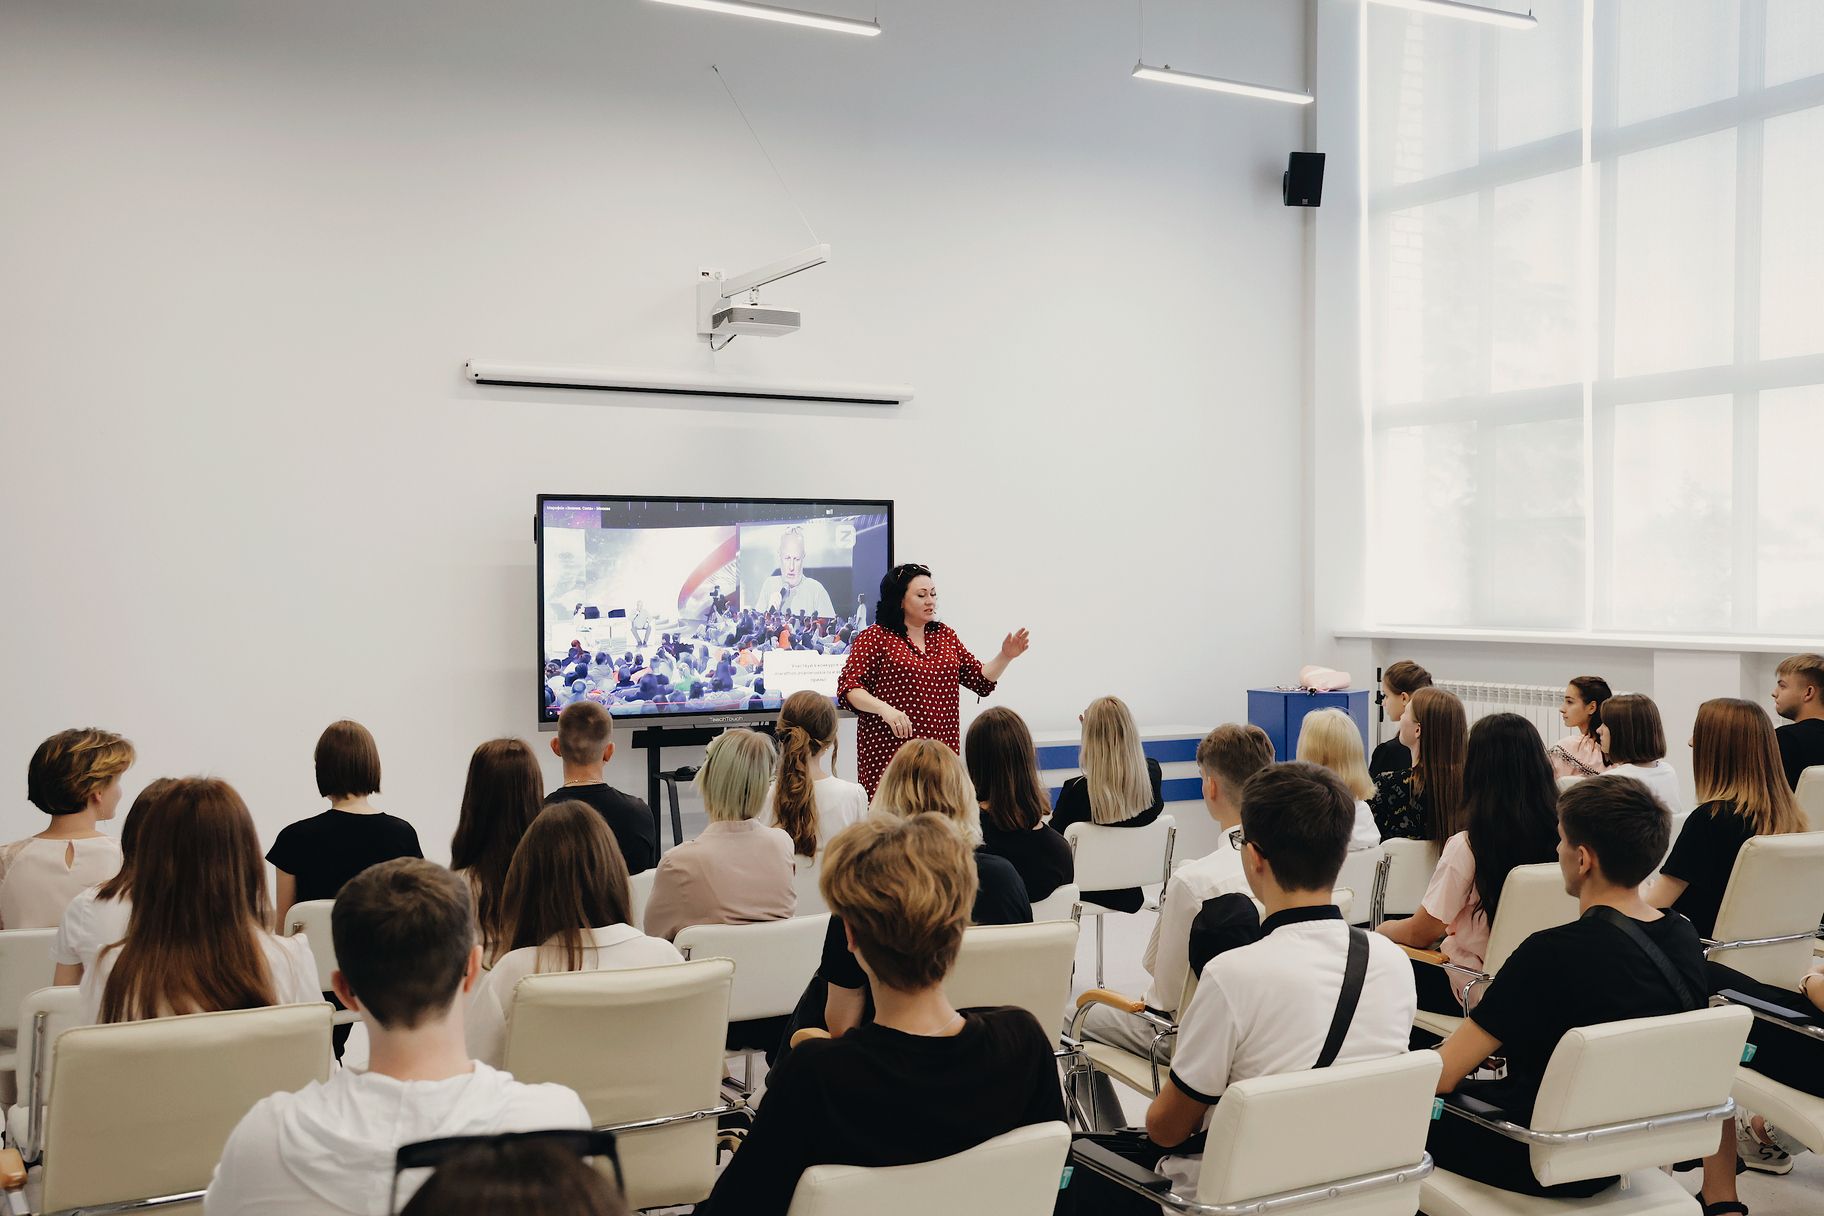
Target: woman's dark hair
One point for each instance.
(501, 798)
(516, 1174)
(1636, 735)
(567, 877)
(1004, 766)
(890, 609)
(1594, 690)
(1510, 800)
(807, 729)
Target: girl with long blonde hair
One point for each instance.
(1121, 785)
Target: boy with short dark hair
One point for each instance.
(404, 934)
(1612, 833)
(585, 743)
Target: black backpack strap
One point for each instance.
(1355, 974)
(1628, 925)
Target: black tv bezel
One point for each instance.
(683, 718)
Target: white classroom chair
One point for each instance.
(772, 961)
(1362, 874)
(1024, 965)
(25, 967)
(1015, 1174)
(1810, 793)
(1115, 858)
(312, 919)
(43, 1016)
(639, 886)
(1409, 867)
(1061, 904)
(1768, 921)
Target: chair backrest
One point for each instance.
(142, 1109)
(637, 1044)
(1565, 783)
(1061, 904)
(1112, 858)
(311, 918)
(1025, 965)
(1356, 1119)
(43, 1015)
(1532, 898)
(1409, 867)
(640, 887)
(1015, 1174)
(1775, 889)
(772, 960)
(1810, 793)
(806, 871)
(1361, 871)
(25, 967)
(1618, 1073)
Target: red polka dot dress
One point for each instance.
(920, 684)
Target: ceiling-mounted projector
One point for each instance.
(722, 320)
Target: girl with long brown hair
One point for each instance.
(1425, 802)
(196, 939)
(1742, 793)
(808, 802)
(500, 800)
(567, 908)
(1003, 764)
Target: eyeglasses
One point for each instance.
(430, 1154)
(1236, 840)
(912, 569)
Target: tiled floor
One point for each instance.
(1800, 1193)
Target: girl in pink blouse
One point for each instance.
(903, 671)
(1578, 754)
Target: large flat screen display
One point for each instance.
(701, 607)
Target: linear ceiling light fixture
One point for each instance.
(1170, 75)
(1467, 12)
(787, 16)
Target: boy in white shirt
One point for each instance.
(405, 940)
(1269, 1008)
(1227, 757)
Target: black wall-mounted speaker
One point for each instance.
(1303, 183)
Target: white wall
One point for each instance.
(246, 247)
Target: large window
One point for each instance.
(1596, 317)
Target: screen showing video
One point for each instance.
(703, 606)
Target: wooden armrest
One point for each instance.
(807, 1034)
(12, 1169)
(1114, 1000)
(1434, 957)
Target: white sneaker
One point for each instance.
(1759, 1155)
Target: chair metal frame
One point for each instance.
(1482, 1114)
(1282, 1201)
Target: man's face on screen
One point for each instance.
(791, 560)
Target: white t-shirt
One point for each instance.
(1365, 835)
(839, 803)
(1265, 1009)
(88, 924)
(39, 878)
(1168, 954)
(612, 948)
(293, 967)
(329, 1147)
(1659, 777)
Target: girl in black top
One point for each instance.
(1742, 791)
(1004, 767)
(1120, 786)
(315, 856)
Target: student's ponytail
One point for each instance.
(795, 800)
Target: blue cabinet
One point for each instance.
(1280, 711)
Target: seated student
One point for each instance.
(1425, 802)
(1120, 786)
(98, 916)
(1781, 1054)
(503, 794)
(197, 938)
(924, 777)
(1003, 766)
(1269, 1008)
(809, 802)
(74, 777)
(516, 1173)
(568, 909)
(738, 871)
(585, 743)
(1329, 738)
(314, 857)
(1398, 683)
(1798, 697)
(921, 1081)
(1511, 802)
(1579, 754)
(1634, 745)
(405, 939)
(1226, 757)
(1612, 831)
(1742, 793)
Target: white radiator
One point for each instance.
(1537, 703)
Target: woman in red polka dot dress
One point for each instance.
(903, 672)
